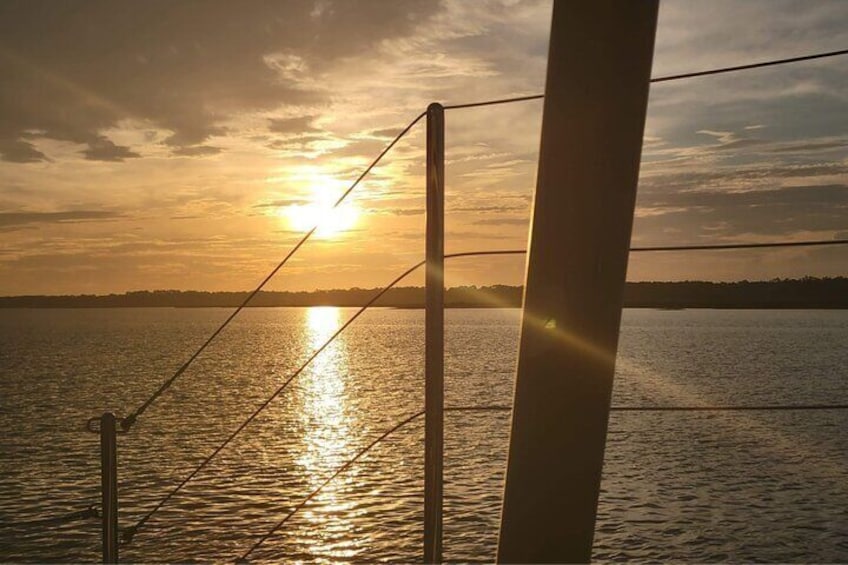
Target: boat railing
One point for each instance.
(109, 426)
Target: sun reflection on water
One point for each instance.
(328, 422)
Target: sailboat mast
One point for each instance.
(596, 94)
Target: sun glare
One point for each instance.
(319, 211)
(330, 221)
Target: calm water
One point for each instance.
(762, 486)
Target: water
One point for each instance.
(763, 486)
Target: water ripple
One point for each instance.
(677, 487)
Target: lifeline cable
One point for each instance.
(127, 423)
(668, 78)
(500, 408)
(719, 246)
(353, 460)
(130, 532)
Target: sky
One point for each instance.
(188, 145)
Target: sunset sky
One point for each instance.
(185, 145)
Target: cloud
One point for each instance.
(315, 84)
(298, 125)
(836, 195)
(193, 134)
(70, 71)
(385, 133)
(479, 209)
(738, 178)
(812, 145)
(404, 211)
(20, 152)
(726, 215)
(282, 203)
(367, 148)
(304, 143)
(197, 151)
(19, 219)
(102, 149)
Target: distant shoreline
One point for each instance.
(447, 307)
(805, 293)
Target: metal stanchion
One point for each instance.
(434, 329)
(109, 486)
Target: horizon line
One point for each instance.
(805, 278)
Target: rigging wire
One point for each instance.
(760, 65)
(718, 246)
(494, 102)
(353, 460)
(692, 247)
(127, 423)
(667, 78)
(502, 408)
(130, 532)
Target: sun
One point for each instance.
(330, 221)
(319, 211)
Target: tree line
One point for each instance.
(807, 292)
